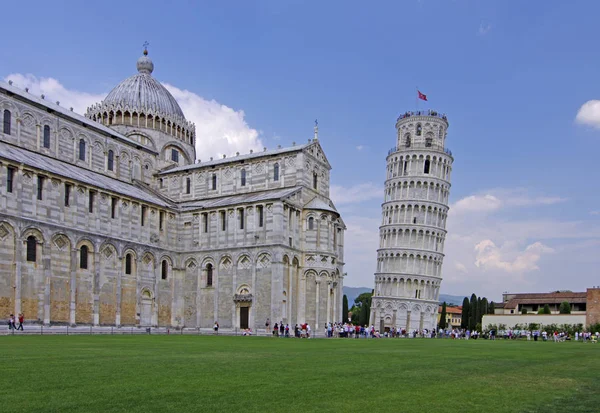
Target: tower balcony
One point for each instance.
(430, 146)
(429, 112)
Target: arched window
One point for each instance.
(81, 150)
(276, 172)
(111, 160)
(188, 185)
(407, 140)
(243, 177)
(214, 182)
(83, 257)
(426, 166)
(46, 136)
(175, 155)
(31, 249)
(6, 128)
(428, 142)
(311, 223)
(128, 264)
(165, 269)
(419, 129)
(209, 275)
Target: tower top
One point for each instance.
(430, 112)
(316, 138)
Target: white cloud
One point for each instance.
(597, 212)
(484, 28)
(55, 91)
(360, 147)
(476, 203)
(219, 128)
(355, 194)
(460, 267)
(589, 114)
(507, 258)
(495, 199)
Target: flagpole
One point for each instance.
(417, 99)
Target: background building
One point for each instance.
(453, 316)
(412, 231)
(585, 308)
(108, 219)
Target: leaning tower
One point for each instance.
(413, 225)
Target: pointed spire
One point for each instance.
(316, 138)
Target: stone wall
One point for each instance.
(510, 320)
(593, 306)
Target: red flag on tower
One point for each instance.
(421, 95)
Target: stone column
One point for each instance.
(96, 288)
(276, 287)
(328, 302)
(119, 292)
(47, 279)
(235, 307)
(216, 291)
(155, 301)
(252, 315)
(302, 302)
(317, 299)
(198, 297)
(18, 273)
(73, 287)
(290, 296)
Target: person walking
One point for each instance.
(21, 320)
(216, 328)
(11, 322)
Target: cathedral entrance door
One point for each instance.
(146, 310)
(244, 314)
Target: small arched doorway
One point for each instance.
(243, 302)
(146, 309)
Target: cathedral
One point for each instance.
(108, 219)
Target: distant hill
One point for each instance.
(353, 292)
(452, 299)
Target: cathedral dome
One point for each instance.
(143, 93)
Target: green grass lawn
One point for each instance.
(206, 373)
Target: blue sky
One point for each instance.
(518, 81)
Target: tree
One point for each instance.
(364, 298)
(484, 308)
(363, 318)
(546, 309)
(565, 308)
(345, 309)
(472, 312)
(464, 319)
(491, 308)
(523, 310)
(443, 316)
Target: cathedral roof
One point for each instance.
(237, 158)
(321, 205)
(75, 117)
(143, 93)
(241, 198)
(76, 173)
